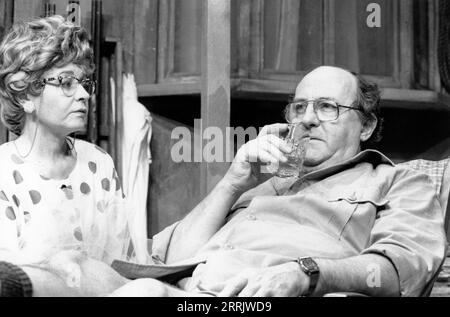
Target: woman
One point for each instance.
(62, 216)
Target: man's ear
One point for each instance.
(367, 128)
(28, 106)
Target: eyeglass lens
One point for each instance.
(324, 109)
(70, 84)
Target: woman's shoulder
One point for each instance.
(11, 163)
(88, 147)
(91, 152)
(6, 147)
(8, 152)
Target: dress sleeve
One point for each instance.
(9, 229)
(119, 245)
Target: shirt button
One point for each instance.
(157, 259)
(251, 217)
(228, 246)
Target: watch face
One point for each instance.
(310, 265)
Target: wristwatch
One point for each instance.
(310, 268)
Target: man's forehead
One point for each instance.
(328, 82)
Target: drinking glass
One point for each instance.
(294, 164)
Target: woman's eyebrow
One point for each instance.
(66, 72)
(71, 73)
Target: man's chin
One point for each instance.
(313, 163)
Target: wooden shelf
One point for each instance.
(169, 89)
(281, 90)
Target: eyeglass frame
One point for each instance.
(314, 101)
(46, 81)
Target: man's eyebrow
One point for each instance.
(319, 98)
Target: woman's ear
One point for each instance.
(368, 128)
(28, 106)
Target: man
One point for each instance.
(353, 222)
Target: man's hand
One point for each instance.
(244, 172)
(284, 280)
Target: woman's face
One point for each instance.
(60, 112)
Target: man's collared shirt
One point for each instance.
(363, 205)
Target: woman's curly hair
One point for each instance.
(30, 49)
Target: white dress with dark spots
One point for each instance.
(40, 216)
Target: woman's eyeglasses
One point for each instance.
(69, 84)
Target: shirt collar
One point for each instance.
(370, 156)
(373, 157)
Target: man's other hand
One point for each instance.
(284, 280)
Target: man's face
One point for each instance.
(330, 142)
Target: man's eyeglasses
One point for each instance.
(69, 84)
(325, 109)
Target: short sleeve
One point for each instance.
(410, 232)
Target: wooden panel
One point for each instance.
(293, 35)
(215, 98)
(168, 89)
(376, 56)
(399, 98)
(28, 9)
(173, 188)
(406, 44)
(25, 9)
(119, 105)
(179, 40)
(116, 24)
(240, 37)
(346, 33)
(163, 39)
(281, 23)
(105, 99)
(421, 44)
(145, 40)
(310, 35)
(433, 25)
(361, 48)
(329, 36)
(6, 17)
(256, 39)
(187, 37)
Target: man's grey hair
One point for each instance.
(368, 101)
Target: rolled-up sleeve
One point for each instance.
(410, 231)
(161, 242)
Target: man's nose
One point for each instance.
(310, 117)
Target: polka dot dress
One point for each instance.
(40, 216)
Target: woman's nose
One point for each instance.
(81, 93)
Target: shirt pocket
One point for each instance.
(348, 206)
